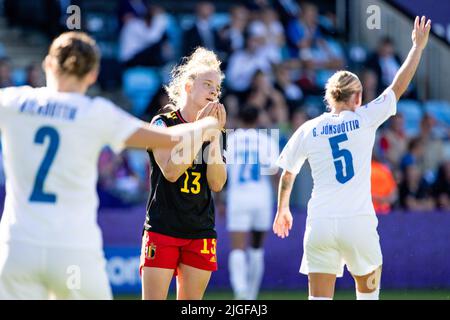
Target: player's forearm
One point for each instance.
(406, 72)
(153, 138)
(183, 155)
(216, 172)
(197, 129)
(285, 189)
(181, 159)
(150, 138)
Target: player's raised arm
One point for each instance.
(154, 137)
(419, 37)
(216, 171)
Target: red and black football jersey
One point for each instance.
(185, 208)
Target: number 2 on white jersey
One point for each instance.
(38, 194)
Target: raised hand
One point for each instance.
(209, 110)
(221, 115)
(421, 32)
(283, 222)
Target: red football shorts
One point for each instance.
(161, 251)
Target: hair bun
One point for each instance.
(341, 86)
(75, 53)
(336, 93)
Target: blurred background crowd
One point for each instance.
(277, 56)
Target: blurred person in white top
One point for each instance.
(252, 154)
(341, 227)
(50, 243)
(270, 29)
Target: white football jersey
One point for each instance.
(251, 156)
(51, 144)
(339, 150)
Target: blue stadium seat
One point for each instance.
(412, 113)
(186, 20)
(140, 85)
(102, 26)
(19, 76)
(219, 20)
(440, 110)
(175, 34)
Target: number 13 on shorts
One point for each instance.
(211, 244)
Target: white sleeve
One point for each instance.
(294, 154)
(8, 102)
(119, 126)
(379, 110)
(2, 108)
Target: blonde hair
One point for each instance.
(201, 60)
(341, 86)
(75, 54)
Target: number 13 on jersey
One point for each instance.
(195, 188)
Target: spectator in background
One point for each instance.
(383, 186)
(303, 31)
(287, 10)
(127, 185)
(270, 101)
(309, 44)
(320, 57)
(256, 5)
(414, 156)
(433, 154)
(232, 36)
(283, 82)
(441, 188)
(385, 62)
(369, 82)
(243, 65)
(34, 76)
(132, 9)
(279, 114)
(118, 180)
(202, 33)
(5, 73)
(298, 117)
(106, 170)
(414, 191)
(393, 141)
(144, 42)
(269, 28)
(159, 99)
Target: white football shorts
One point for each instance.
(331, 243)
(249, 215)
(31, 272)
